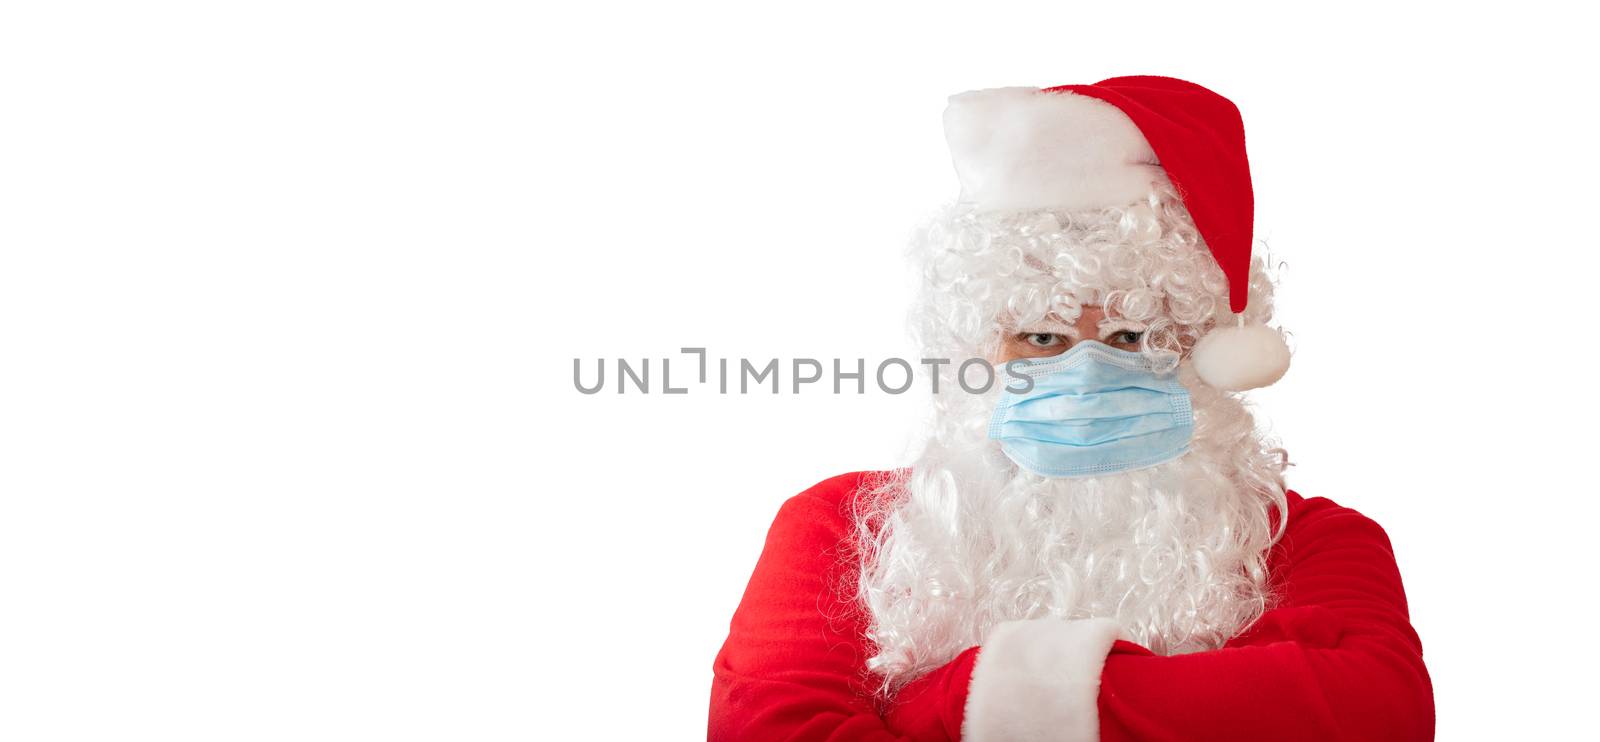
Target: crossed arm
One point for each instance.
(1337, 658)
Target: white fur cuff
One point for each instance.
(1039, 680)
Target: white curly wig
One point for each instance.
(964, 539)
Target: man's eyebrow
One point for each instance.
(1117, 324)
(1051, 325)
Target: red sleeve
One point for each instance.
(1337, 658)
(792, 667)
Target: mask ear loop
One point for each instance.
(1165, 362)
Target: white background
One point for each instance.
(291, 292)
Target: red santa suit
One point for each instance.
(1334, 659)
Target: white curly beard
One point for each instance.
(967, 540)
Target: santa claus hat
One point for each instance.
(1075, 147)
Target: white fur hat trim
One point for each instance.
(1023, 148)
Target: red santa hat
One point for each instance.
(1075, 147)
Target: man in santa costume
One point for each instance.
(1101, 546)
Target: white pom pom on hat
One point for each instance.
(1238, 358)
(1109, 144)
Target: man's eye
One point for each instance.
(1042, 339)
(1127, 337)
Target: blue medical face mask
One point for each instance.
(1093, 410)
